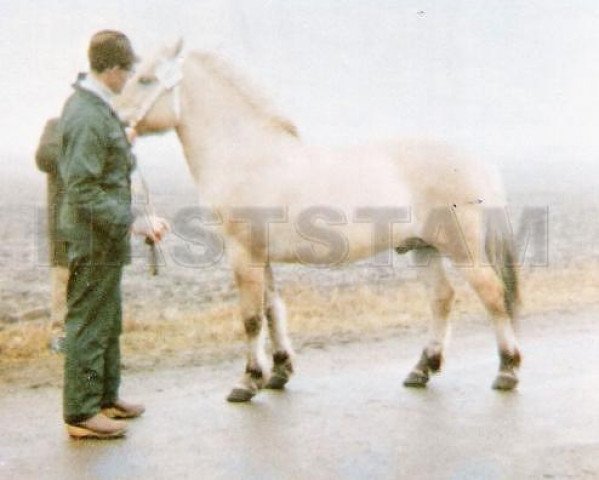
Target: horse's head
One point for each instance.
(149, 102)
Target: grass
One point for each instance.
(323, 315)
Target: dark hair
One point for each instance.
(108, 49)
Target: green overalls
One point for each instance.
(95, 217)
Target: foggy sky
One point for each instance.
(505, 78)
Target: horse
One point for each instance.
(281, 200)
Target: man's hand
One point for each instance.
(152, 227)
(131, 134)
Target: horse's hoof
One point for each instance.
(416, 380)
(240, 395)
(505, 381)
(277, 382)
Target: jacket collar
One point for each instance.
(91, 88)
(92, 84)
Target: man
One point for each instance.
(46, 159)
(96, 220)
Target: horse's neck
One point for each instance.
(224, 143)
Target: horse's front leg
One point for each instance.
(250, 281)
(276, 317)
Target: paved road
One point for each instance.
(344, 416)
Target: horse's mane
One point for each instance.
(244, 88)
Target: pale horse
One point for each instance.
(248, 161)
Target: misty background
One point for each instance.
(513, 82)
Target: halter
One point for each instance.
(169, 74)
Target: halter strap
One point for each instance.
(169, 74)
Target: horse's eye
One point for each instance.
(145, 80)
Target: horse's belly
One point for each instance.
(308, 239)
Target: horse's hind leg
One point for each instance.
(277, 327)
(442, 294)
(250, 280)
(491, 291)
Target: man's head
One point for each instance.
(111, 58)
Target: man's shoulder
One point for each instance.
(84, 108)
(84, 103)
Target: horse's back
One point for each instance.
(418, 173)
(349, 177)
(439, 174)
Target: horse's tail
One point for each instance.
(500, 252)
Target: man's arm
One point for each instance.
(81, 170)
(46, 156)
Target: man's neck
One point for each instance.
(94, 83)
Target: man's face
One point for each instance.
(117, 77)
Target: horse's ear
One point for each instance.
(175, 50)
(171, 51)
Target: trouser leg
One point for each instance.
(58, 301)
(112, 358)
(93, 325)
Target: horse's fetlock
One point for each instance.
(280, 357)
(282, 364)
(510, 360)
(252, 325)
(432, 358)
(255, 373)
(435, 361)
